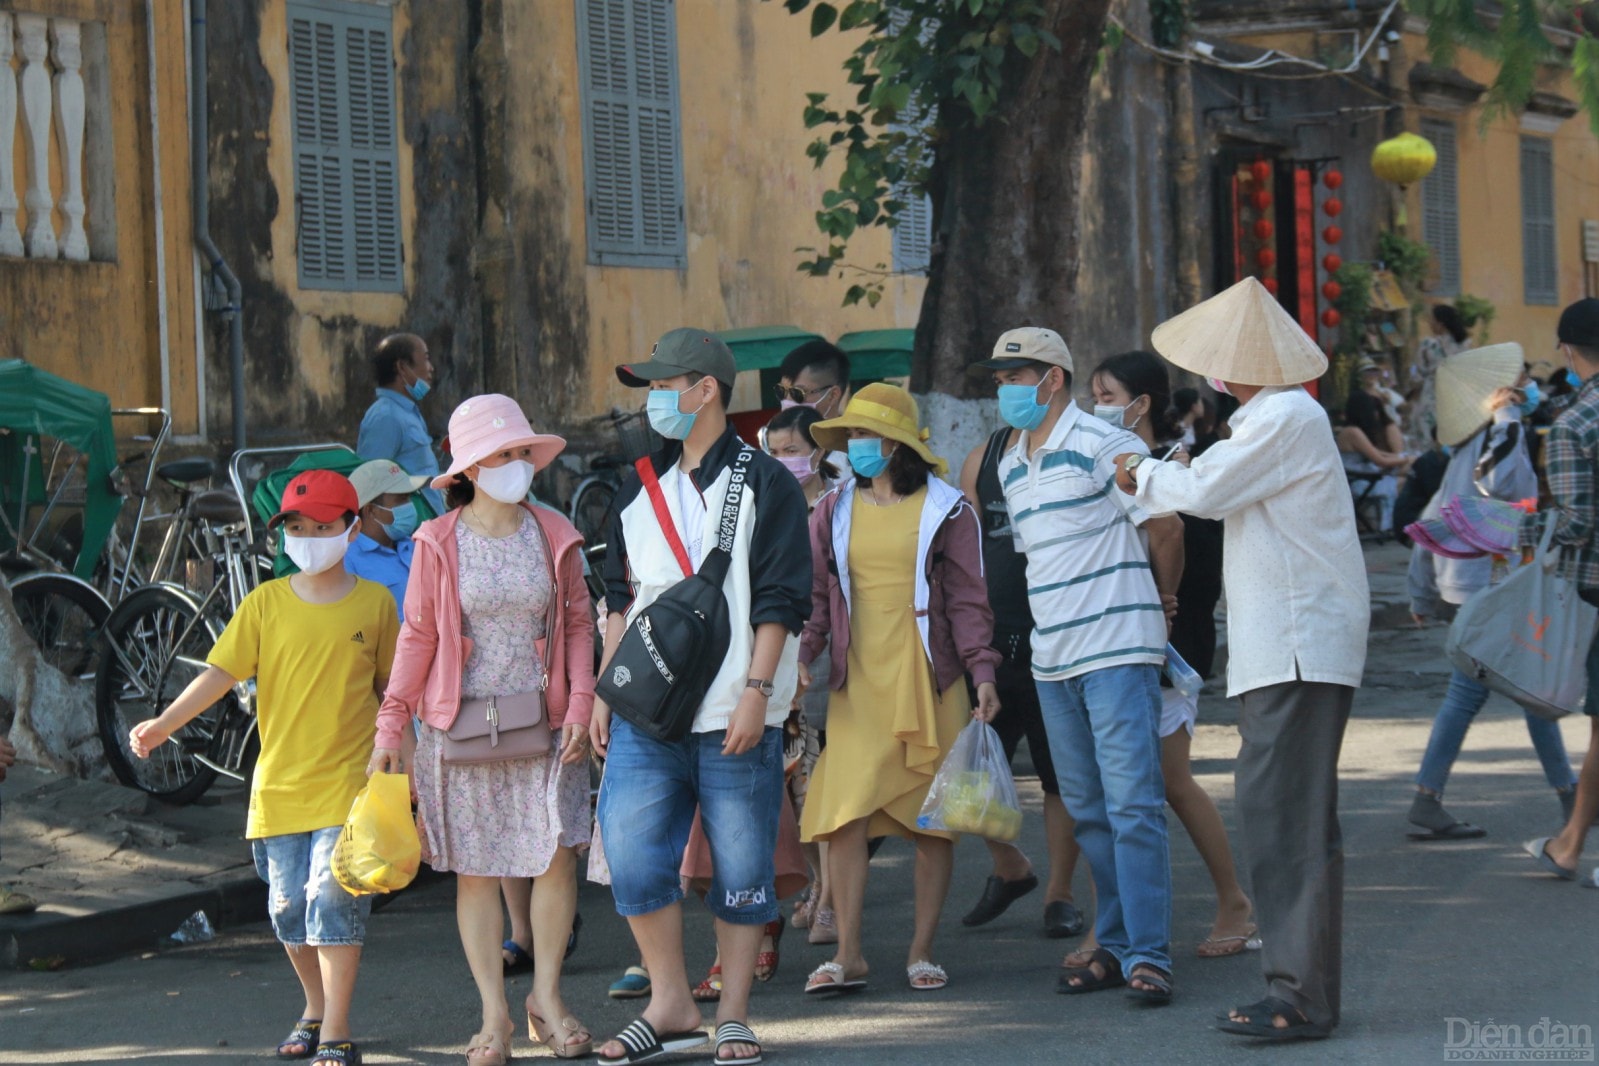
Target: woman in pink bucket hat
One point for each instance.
(497, 607)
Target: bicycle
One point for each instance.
(156, 642)
(595, 495)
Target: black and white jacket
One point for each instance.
(769, 580)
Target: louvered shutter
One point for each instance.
(1440, 205)
(1540, 269)
(345, 164)
(913, 235)
(627, 51)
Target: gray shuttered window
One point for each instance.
(632, 156)
(913, 236)
(1540, 268)
(346, 167)
(1440, 205)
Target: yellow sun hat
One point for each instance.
(887, 410)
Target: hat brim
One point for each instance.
(639, 375)
(545, 448)
(988, 366)
(403, 485)
(315, 512)
(833, 436)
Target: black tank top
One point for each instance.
(1004, 566)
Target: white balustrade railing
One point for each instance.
(42, 68)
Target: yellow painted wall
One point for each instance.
(96, 323)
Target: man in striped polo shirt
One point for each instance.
(1096, 593)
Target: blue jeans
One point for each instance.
(1102, 736)
(1461, 704)
(306, 902)
(646, 810)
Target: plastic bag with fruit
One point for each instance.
(973, 792)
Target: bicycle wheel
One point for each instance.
(64, 616)
(591, 508)
(150, 653)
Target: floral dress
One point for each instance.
(501, 819)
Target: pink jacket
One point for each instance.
(432, 652)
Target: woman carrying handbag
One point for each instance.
(498, 665)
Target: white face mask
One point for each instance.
(315, 554)
(508, 483)
(1115, 415)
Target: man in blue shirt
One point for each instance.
(381, 552)
(393, 427)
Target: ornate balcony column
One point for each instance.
(41, 234)
(67, 50)
(10, 236)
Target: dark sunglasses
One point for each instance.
(799, 395)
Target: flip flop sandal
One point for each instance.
(304, 1033)
(520, 961)
(635, 983)
(1457, 831)
(710, 989)
(767, 960)
(1159, 992)
(736, 1033)
(1076, 960)
(1228, 945)
(340, 1051)
(1261, 1024)
(643, 1044)
(836, 982)
(930, 974)
(1538, 848)
(1087, 980)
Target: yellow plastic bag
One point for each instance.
(378, 849)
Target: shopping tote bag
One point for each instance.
(378, 849)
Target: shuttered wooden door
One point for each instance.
(1440, 205)
(1540, 270)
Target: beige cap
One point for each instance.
(1466, 381)
(1016, 348)
(372, 479)
(1242, 335)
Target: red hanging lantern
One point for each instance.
(1332, 234)
(1260, 170)
(1333, 179)
(1263, 229)
(1332, 290)
(1334, 207)
(1331, 262)
(1261, 199)
(1269, 284)
(1330, 317)
(1265, 257)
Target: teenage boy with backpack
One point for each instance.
(730, 764)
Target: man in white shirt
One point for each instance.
(1298, 610)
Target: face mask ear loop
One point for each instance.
(696, 410)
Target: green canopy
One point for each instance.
(33, 404)
(878, 353)
(763, 347)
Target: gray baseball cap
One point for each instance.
(682, 351)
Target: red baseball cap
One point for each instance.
(320, 495)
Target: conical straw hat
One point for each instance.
(1242, 335)
(1465, 382)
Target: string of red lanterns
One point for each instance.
(1331, 235)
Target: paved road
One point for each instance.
(1432, 932)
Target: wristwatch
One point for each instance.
(1132, 464)
(764, 687)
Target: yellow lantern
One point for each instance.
(1404, 160)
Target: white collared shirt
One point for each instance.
(1298, 606)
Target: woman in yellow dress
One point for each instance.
(898, 587)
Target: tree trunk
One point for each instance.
(1005, 209)
(52, 716)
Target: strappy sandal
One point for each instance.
(766, 961)
(1089, 981)
(835, 981)
(1261, 1023)
(824, 927)
(304, 1034)
(930, 974)
(489, 1049)
(343, 1052)
(1222, 947)
(710, 989)
(802, 913)
(641, 1043)
(1158, 991)
(578, 1040)
(736, 1033)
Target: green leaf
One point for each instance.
(796, 6)
(822, 18)
(873, 295)
(853, 295)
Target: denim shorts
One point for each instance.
(307, 904)
(646, 810)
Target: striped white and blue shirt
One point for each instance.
(1089, 582)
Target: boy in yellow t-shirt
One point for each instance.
(319, 644)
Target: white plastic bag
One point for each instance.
(1527, 637)
(1183, 678)
(973, 792)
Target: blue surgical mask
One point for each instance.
(1533, 396)
(1572, 379)
(866, 456)
(667, 416)
(418, 389)
(1019, 406)
(405, 521)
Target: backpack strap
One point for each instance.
(663, 514)
(717, 561)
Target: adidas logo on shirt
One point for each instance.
(359, 638)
